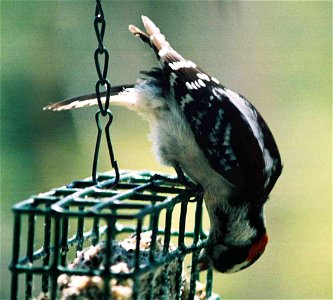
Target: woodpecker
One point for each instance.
(213, 135)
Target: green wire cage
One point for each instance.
(121, 235)
(87, 241)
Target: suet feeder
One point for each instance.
(118, 235)
(86, 241)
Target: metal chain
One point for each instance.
(99, 25)
(101, 51)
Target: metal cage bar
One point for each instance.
(136, 205)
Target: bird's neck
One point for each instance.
(235, 224)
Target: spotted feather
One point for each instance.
(227, 127)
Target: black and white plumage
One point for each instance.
(216, 137)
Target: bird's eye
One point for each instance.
(231, 259)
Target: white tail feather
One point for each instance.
(155, 34)
(130, 97)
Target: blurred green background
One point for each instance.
(277, 54)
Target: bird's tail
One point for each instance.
(155, 39)
(122, 95)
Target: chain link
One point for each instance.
(99, 25)
(102, 82)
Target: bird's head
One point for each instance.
(237, 239)
(231, 259)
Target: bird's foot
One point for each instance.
(178, 180)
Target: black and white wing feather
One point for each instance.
(229, 130)
(227, 127)
(86, 100)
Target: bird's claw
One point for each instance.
(188, 184)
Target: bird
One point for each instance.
(210, 134)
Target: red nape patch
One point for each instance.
(258, 248)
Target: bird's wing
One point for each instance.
(88, 99)
(229, 130)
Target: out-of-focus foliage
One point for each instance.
(277, 54)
